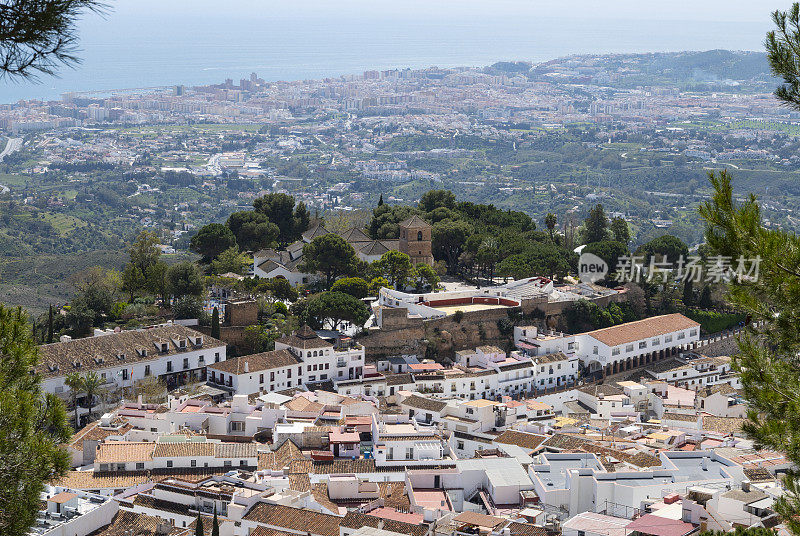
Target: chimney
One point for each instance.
(704, 463)
(247, 366)
(746, 485)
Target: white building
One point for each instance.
(174, 452)
(623, 347)
(298, 359)
(174, 353)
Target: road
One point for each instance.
(13, 145)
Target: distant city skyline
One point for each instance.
(149, 43)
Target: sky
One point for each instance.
(696, 10)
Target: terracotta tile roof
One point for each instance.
(355, 520)
(521, 439)
(480, 520)
(95, 353)
(190, 449)
(89, 480)
(256, 362)
(422, 403)
(564, 442)
(415, 222)
(294, 519)
(640, 459)
(758, 474)
(722, 425)
(93, 432)
(301, 403)
(604, 389)
(61, 498)
(305, 338)
(550, 358)
(526, 529)
(124, 451)
(721, 388)
(682, 417)
(127, 523)
(643, 329)
(266, 531)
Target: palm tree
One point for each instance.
(75, 383)
(91, 386)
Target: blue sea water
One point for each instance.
(142, 49)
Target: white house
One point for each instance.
(297, 359)
(623, 347)
(174, 452)
(174, 353)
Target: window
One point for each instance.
(594, 350)
(615, 351)
(103, 375)
(124, 374)
(272, 376)
(288, 373)
(242, 463)
(185, 363)
(667, 338)
(629, 348)
(693, 333)
(470, 411)
(169, 366)
(260, 378)
(169, 463)
(460, 445)
(656, 341)
(216, 357)
(227, 463)
(147, 370)
(681, 335)
(194, 463)
(642, 344)
(139, 466)
(200, 360)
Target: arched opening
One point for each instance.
(419, 236)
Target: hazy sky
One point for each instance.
(711, 10)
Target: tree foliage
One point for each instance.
(37, 37)
(184, 279)
(595, 225)
(33, 426)
(330, 309)
(211, 240)
(767, 361)
(667, 246)
(354, 286)
(783, 54)
(396, 267)
(329, 255)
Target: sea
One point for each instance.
(140, 50)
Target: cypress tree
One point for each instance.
(688, 293)
(380, 200)
(215, 323)
(198, 530)
(50, 325)
(215, 525)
